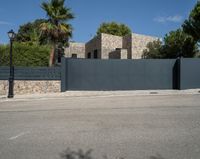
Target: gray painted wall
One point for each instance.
(96, 74)
(28, 73)
(189, 73)
(82, 74)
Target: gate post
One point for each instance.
(63, 74)
(177, 74)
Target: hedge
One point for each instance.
(25, 55)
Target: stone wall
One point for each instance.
(92, 45)
(127, 44)
(109, 43)
(123, 54)
(105, 44)
(139, 43)
(118, 54)
(31, 87)
(75, 48)
(114, 54)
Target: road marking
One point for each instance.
(17, 136)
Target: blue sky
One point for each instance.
(151, 17)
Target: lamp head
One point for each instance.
(11, 34)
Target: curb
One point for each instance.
(89, 94)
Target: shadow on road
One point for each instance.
(158, 156)
(80, 154)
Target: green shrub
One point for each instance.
(25, 54)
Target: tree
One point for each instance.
(176, 43)
(114, 28)
(56, 29)
(30, 32)
(192, 25)
(153, 50)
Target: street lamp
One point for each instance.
(11, 35)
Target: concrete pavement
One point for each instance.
(99, 93)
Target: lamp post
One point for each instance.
(11, 36)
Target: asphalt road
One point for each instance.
(132, 127)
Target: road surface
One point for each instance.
(132, 127)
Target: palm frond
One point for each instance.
(56, 28)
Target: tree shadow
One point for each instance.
(80, 154)
(158, 156)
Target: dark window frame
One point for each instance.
(89, 55)
(95, 54)
(74, 56)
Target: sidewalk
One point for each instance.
(100, 94)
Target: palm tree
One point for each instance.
(56, 28)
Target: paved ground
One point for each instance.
(129, 126)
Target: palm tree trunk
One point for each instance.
(52, 55)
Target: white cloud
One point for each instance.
(174, 19)
(160, 19)
(5, 23)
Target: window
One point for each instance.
(74, 56)
(95, 54)
(89, 55)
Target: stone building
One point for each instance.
(106, 46)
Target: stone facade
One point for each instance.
(109, 43)
(31, 87)
(139, 43)
(123, 54)
(127, 44)
(91, 46)
(105, 46)
(102, 45)
(118, 54)
(75, 49)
